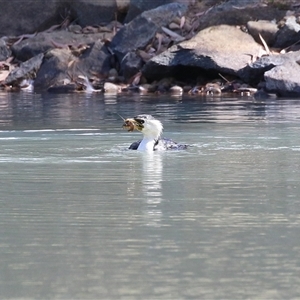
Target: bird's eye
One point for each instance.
(141, 121)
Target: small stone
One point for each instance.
(144, 88)
(174, 26)
(113, 72)
(176, 90)
(75, 28)
(212, 88)
(113, 75)
(187, 88)
(150, 88)
(111, 88)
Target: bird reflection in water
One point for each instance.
(152, 187)
(145, 185)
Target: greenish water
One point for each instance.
(84, 218)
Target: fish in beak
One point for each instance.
(132, 124)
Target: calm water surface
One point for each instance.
(84, 218)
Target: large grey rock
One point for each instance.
(254, 72)
(5, 52)
(96, 60)
(45, 41)
(55, 70)
(61, 67)
(280, 73)
(140, 31)
(267, 30)
(284, 79)
(130, 65)
(288, 34)
(26, 70)
(223, 48)
(136, 7)
(21, 17)
(93, 12)
(237, 12)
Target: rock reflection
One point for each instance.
(152, 187)
(5, 109)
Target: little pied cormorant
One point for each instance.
(151, 129)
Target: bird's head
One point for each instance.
(148, 125)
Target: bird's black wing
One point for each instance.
(161, 144)
(168, 144)
(134, 145)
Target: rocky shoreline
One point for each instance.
(196, 47)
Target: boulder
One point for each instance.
(26, 70)
(284, 79)
(61, 67)
(44, 41)
(267, 30)
(137, 7)
(279, 71)
(138, 33)
(22, 17)
(130, 65)
(5, 52)
(237, 12)
(288, 34)
(95, 60)
(254, 72)
(91, 12)
(55, 70)
(123, 5)
(218, 49)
